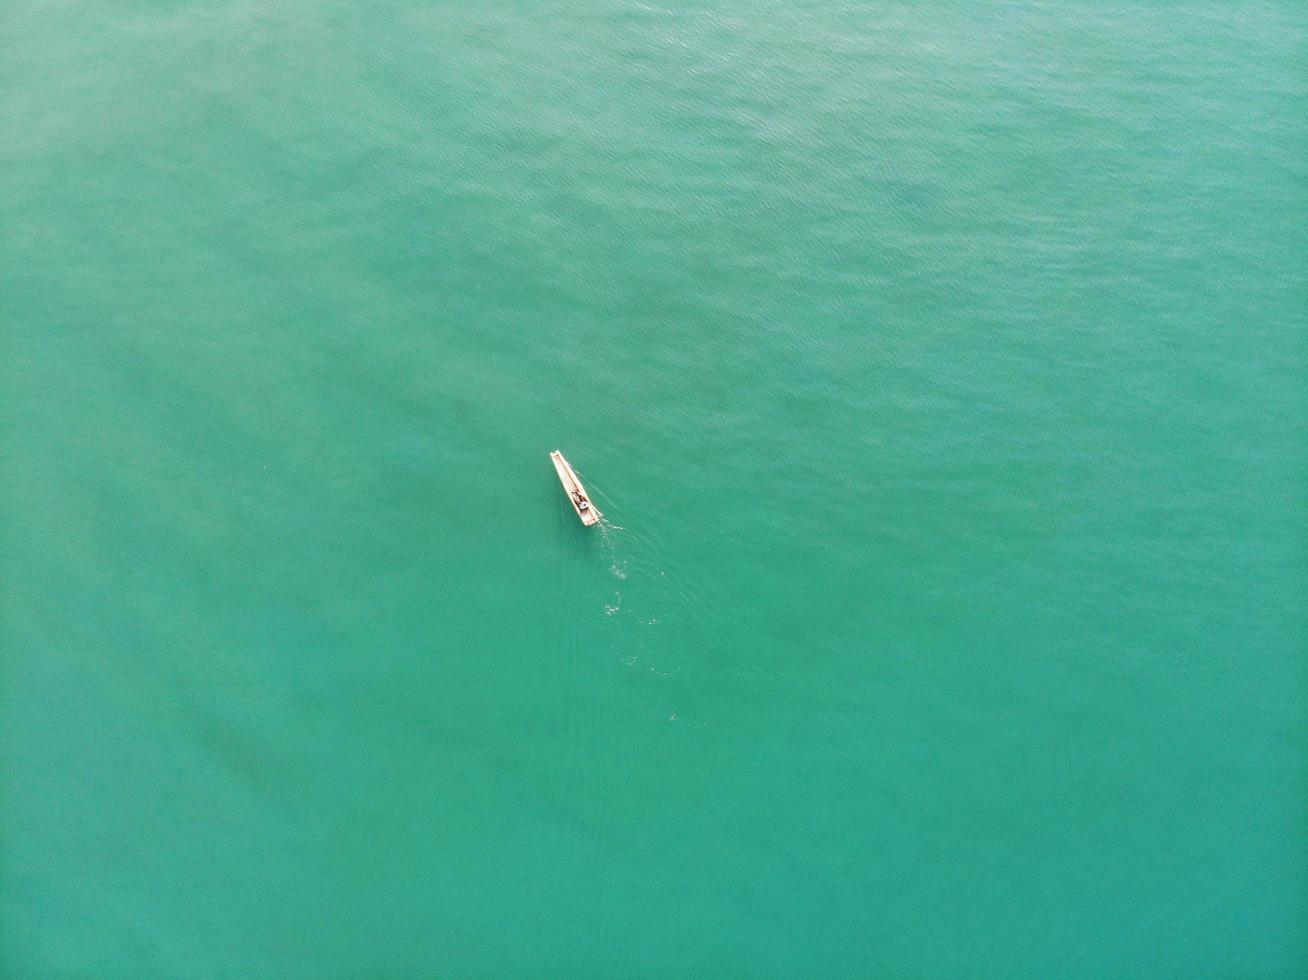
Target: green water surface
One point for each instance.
(941, 369)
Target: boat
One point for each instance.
(577, 496)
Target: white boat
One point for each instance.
(577, 495)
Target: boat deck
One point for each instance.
(589, 514)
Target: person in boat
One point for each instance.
(582, 503)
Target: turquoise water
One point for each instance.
(940, 370)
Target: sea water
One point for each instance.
(939, 368)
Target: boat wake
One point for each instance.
(641, 605)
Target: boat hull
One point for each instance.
(568, 477)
